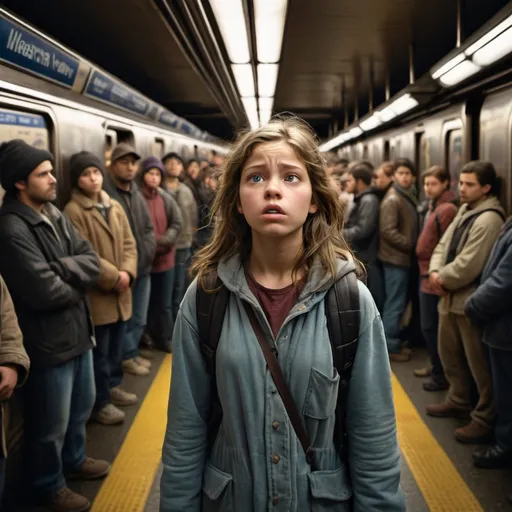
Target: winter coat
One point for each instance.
(48, 267)
(461, 276)
(12, 353)
(362, 228)
(113, 242)
(490, 305)
(398, 227)
(185, 199)
(136, 210)
(252, 460)
(439, 216)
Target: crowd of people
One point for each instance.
(84, 293)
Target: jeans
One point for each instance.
(161, 323)
(108, 357)
(180, 277)
(396, 281)
(501, 369)
(2, 477)
(375, 283)
(429, 327)
(137, 323)
(58, 402)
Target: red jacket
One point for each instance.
(440, 216)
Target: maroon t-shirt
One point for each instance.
(276, 304)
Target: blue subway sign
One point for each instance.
(30, 52)
(108, 90)
(169, 119)
(17, 119)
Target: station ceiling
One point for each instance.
(337, 55)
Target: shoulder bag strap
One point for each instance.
(282, 387)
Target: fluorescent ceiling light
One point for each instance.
(265, 116)
(231, 21)
(267, 79)
(370, 123)
(449, 65)
(403, 104)
(494, 50)
(386, 114)
(244, 79)
(355, 132)
(489, 36)
(459, 73)
(252, 111)
(266, 103)
(270, 16)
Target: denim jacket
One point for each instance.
(257, 463)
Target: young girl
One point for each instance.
(277, 247)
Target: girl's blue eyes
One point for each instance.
(257, 178)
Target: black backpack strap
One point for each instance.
(211, 304)
(438, 226)
(343, 316)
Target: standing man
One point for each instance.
(454, 273)
(48, 267)
(398, 234)
(489, 308)
(14, 366)
(120, 186)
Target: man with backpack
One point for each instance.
(454, 274)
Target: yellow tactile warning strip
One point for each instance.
(442, 486)
(127, 487)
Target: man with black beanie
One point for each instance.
(47, 267)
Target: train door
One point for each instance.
(156, 147)
(454, 154)
(387, 151)
(113, 137)
(33, 128)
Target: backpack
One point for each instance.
(342, 312)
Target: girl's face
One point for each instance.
(90, 181)
(153, 178)
(275, 191)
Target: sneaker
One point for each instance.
(122, 398)
(492, 457)
(146, 353)
(142, 361)
(132, 367)
(447, 410)
(423, 372)
(403, 356)
(474, 433)
(405, 350)
(435, 385)
(65, 500)
(109, 415)
(147, 341)
(91, 469)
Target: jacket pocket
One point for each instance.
(330, 490)
(217, 490)
(321, 395)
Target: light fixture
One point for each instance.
(267, 79)
(231, 21)
(370, 123)
(266, 103)
(403, 104)
(244, 79)
(251, 110)
(386, 114)
(459, 73)
(355, 132)
(270, 16)
(449, 65)
(496, 31)
(494, 50)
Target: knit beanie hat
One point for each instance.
(152, 163)
(80, 161)
(17, 160)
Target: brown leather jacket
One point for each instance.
(12, 353)
(398, 228)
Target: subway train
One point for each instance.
(478, 125)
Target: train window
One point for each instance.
(157, 148)
(366, 153)
(110, 144)
(32, 128)
(386, 150)
(186, 153)
(422, 152)
(454, 139)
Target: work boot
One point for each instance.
(146, 353)
(133, 368)
(493, 457)
(90, 469)
(423, 372)
(142, 361)
(122, 398)
(474, 433)
(447, 410)
(108, 415)
(403, 356)
(433, 385)
(65, 500)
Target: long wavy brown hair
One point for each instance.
(322, 231)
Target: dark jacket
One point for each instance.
(490, 305)
(205, 228)
(398, 227)
(136, 210)
(362, 228)
(47, 267)
(438, 217)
